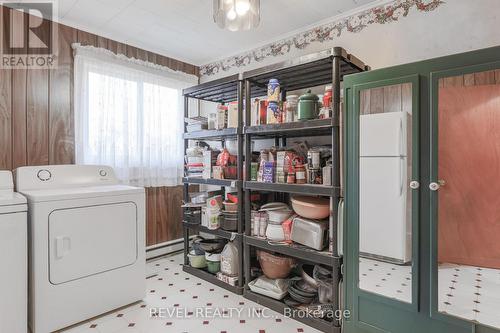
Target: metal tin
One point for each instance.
(314, 159)
(308, 106)
(273, 90)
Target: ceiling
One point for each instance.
(184, 29)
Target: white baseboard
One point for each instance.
(163, 249)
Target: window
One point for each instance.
(129, 115)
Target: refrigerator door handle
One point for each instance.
(401, 139)
(401, 180)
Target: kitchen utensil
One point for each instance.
(306, 272)
(279, 216)
(273, 206)
(312, 233)
(196, 260)
(197, 249)
(308, 106)
(275, 266)
(275, 233)
(211, 245)
(311, 207)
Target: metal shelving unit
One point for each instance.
(205, 275)
(306, 189)
(223, 90)
(326, 67)
(300, 252)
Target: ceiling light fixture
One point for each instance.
(237, 15)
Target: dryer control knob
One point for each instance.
(103, 173)
(44, 175)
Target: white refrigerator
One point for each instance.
(385, 226)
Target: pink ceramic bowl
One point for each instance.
(311, 207)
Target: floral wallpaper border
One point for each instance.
(355, 23)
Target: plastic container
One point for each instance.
(213, 262)
(229, 263)
(197, 261)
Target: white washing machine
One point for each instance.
(87, 243)
(14, 258)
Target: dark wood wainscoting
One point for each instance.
(163, 204)
(36, 116)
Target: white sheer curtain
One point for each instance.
(129, 115)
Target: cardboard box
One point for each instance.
(232, 115)
(231, 280)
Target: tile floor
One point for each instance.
(180, 295)
(472, 293)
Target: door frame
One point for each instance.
(433, 175)
(408, 321)
(352, 198)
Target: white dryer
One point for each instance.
(14, 258)
(87, 243)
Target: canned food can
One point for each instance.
(314, 159)
(273, 90)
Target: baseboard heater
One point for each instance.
(165, 248)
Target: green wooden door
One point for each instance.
(426, 302)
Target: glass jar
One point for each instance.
(291, 108)
(300, 174)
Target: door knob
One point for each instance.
(436, 186)
(414, 184)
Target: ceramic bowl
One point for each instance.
(275, 266)
(311, 207)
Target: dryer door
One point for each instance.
(85, 241)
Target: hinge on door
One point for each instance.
(342, 270)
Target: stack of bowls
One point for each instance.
(277, 213)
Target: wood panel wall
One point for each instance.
(36, 117)
(469, 163)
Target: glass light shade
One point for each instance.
(237, 15)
